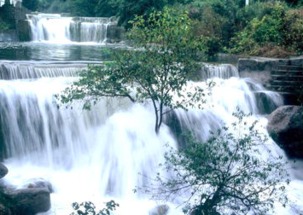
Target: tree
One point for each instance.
(165, 54)
(228, 173)
(31, 4)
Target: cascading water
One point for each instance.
(33, 69)
(59, 29)
(107, 152)
(223, 71)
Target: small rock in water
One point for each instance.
(159, 210)
(3, 170)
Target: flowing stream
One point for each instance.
(108, 152)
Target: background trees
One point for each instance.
(31, 4)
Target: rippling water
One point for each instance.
(54, 51)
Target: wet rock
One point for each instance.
(3, 170)
(39, 183)
(115, 34)
(267, 101)
(286, 128)
(4, 209)
(159, 210)
(31, 201)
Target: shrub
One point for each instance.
(293, 30)
(261, 31)
(227, 173)
(3, 25)
(88, 208)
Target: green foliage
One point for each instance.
(3, 25)
(165, 54)
(85, 8)
(217, 20)
(57, 6)
(229, 173)
(293, 30)
(125, 9)
(262, 30)
(88, 208)
(31, 4)
(274, 26)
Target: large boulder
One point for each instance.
(285, 126)
(31, 201)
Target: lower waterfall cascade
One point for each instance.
(105, 153)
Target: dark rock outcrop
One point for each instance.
(23, 30)
(285, 126)
(267, 102)
(31, 201)
(115, 34)
(3, 170)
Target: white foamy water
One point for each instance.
(106, 153)
(56, 28)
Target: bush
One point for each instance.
(3, 25)
(229, 173)
(88, 208)
(261, 31)
(293, 30)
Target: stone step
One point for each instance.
(287, 82)
(290, 67)
(287, 77)
(287, 72)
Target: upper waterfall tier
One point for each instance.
(11, 70)
(61, 29)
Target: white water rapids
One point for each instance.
(105, 153)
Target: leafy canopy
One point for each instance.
(228, 173)
(163, 57)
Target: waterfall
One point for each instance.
(37, 69)
(60, 29)
(109, 151)
(223, 71)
